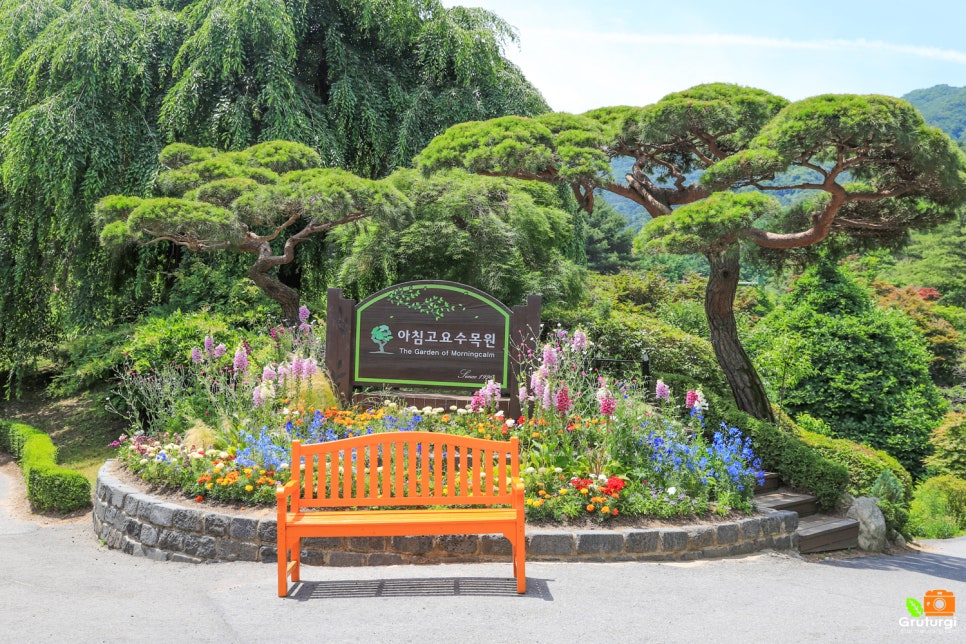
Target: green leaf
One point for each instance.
(914, 607)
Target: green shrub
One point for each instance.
(861, 368)
(864, 463)
(938, 510)
(49, 487)
(949, 444)
(891, 499)
(783, 452)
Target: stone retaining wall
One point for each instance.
(139, 524)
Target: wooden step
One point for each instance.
(804, 504)
(771, 483)
(821, 533)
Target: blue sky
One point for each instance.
(584, 54)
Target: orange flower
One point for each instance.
(199, 499)
(590, 507)
(613, 512)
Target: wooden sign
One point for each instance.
(428, 335)
(431, 334)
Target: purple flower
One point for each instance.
(550, 357)
(257, 400)
(579, 342)
(196, 355)
(209, 345)
(304, 327)
(241, 361)
(268, 374)
(522, 394)
(304, 314)
(662, 391)
(220, 350)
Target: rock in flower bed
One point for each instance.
(591, 448)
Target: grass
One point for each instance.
(80, 426)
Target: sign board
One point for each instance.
(428, 335)
(431, 334)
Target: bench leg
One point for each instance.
(296, 545)
(520, 560)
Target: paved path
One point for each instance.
(58, 584)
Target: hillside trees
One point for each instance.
(875, 166)
(92, 90)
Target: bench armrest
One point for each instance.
(284, 492)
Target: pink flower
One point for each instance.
(662, 391)
(690, 398)
(563, 400)
(268, 373)
(580, 342)
(196, 355)
(304, 314)
(209, 345)
(550, 357)
(220, 350)
(606, 402)
(241, 361)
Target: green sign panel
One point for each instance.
(437, 334)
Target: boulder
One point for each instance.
(872, 525)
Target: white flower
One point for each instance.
(453, 408)
(510, 422)
(498, 414)
(672, 490)
(530, 470)
(558, 470)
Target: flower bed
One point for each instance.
(592, 447)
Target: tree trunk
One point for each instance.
(287, 297)
(719, 306)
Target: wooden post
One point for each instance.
(338, 342)
(524, 334)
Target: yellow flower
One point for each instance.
(563, 491)
(249, 488)
(584, 491)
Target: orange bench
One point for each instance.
(401, 484)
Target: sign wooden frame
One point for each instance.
(428, 334)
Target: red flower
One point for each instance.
(199, 499)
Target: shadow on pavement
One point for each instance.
(436, 587)
(927, 563)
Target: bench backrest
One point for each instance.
(405, 469)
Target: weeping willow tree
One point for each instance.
(92, 90)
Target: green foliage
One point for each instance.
(891, 498)
(494, 234)
(781, 450)
(935, 259)
(609, 241)
(865, 464)
(92, 90)
(949, 446)
(706, 226)
(49, 487)
(867, 374)
(938, 510)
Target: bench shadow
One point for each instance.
(927, 563)
(435, 587)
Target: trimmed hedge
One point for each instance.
(863, 462)
(781, 451)
(49, 486)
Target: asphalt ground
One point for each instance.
(59, 584)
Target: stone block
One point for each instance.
(132, 528)
(550, 544)
(323, 543)
(216, 525)
(188, 520)
(268, 554)
(149, 535)
(198, 545)
(790, 521)
(242, 528)
(673, 540)
(366, 544)
(750, 528)
(267, 530)
(317, 557)
(495, 544)
(162, 514)
(691, 555)
(743, 548)
(413, 545)
(111, 515)
(100, 509)
(183, 558)
(727, 533)
(599, 542)
(342, 559)
(171, 540)
(771, 524)
(155, 554)
(458, 544)
(129, 503)
(384, 559)
(231, 550)
(641, 540)
(700, 537)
